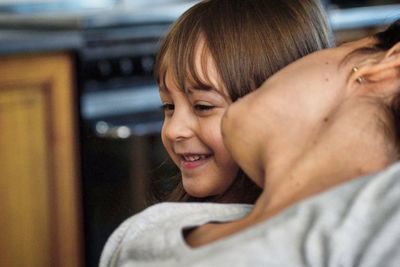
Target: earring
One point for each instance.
(359, 79)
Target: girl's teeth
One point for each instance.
(194, 158)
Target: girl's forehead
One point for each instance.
(192, 87)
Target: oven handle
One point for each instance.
(106, 130)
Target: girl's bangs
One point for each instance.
(186, 64)
(185, 44)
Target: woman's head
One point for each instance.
(338, 114)
(217, 52)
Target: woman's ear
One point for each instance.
(382, 76)
(393, 52)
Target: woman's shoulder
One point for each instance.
(359, 217)
(174, 211)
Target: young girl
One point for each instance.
(217, 52)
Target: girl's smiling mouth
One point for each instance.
(192, 161)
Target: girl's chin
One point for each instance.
(198, 191)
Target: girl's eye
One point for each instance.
(203, 108)
(168, 108)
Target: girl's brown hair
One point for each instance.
(249, 40)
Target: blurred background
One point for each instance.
(80, 118)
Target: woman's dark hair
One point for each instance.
(249, 40)
(389, 37)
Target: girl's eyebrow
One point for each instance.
(207, 88)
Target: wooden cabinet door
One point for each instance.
(39, 197)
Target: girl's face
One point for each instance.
(191, 132)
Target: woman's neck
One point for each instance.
(314, 175)
(297, 187)
(326, 158)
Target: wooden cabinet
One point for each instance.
(39, 196)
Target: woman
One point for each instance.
(333, 118)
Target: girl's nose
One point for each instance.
(180, 126)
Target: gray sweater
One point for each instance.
(354, 224)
